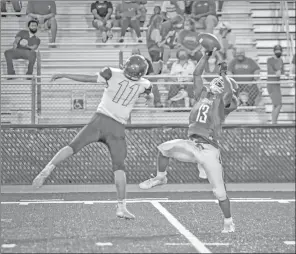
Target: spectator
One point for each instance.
(242, 65)
(243, 100)
(129, 13)
(172, 8)
(24, 47)
(143, 12)
(156, 11)
(275, 66)
(204, 14)
(155, 91)
(188, 39)
(188, 7)
(44, 11)
(212, 67)
(181, 94)
(102, 11)
(220, 5)
(169, 33)
(155, 44)
(17, 6)
(227, 41)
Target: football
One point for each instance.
(209, 41)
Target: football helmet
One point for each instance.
(217, 85)
(135, 67)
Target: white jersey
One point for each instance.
(120, 95)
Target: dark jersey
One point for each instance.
(207, 116)
(101, 7)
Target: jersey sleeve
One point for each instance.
(104, 75)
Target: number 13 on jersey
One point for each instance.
(202, 114)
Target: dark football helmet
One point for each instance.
(135, 67)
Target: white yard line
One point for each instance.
(196, 243)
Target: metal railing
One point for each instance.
(57, 97)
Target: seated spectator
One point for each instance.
(212, 67)
(181, 95)
(17, 6)
(155, 44)
(227, 40)
(24, 47)
(44, 11)
(242, 65)
(172, 8)
(143, 12)
(275, 66)
(156, 11)
(102, 11)
(129, 13)
(243, 100)
(188, 7)
(169, 33)
(188, 39)
(204, 14)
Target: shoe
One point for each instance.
(40, 179)
(140, 40)
(229, 226)
(121, 39)
(124, 213)
(152, 182)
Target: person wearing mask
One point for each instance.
(242, 65)
(156, 11)
(24, 47)
(212, 67)
(275, 67)
(227, 40)
(181, 95)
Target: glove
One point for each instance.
(223, 68)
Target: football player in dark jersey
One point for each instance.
(215, 102)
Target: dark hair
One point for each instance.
(33, 21)
(277, 47)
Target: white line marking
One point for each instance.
(283, 201)
(104, 244)
(6, 220)
(88, 203)
(12, 245)
(37, 200)
(149, 200)
(251, 198)
(289, 242)
(197, 244)
(208, 244)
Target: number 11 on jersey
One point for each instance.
(126, 92)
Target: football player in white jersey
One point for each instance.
(123, 88)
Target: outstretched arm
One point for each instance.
(77, 77)
(228, 91)
(197, 79)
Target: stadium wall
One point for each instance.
(250, 154)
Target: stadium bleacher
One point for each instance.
(257, 26)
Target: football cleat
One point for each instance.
(152, 182)
(229, 226)
(123, 213)
(40, 179)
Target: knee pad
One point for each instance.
(220, 193)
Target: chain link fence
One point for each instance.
(249, 154)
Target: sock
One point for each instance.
(225, 207)
(122, 204)
(228, 220)
(161, 174)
